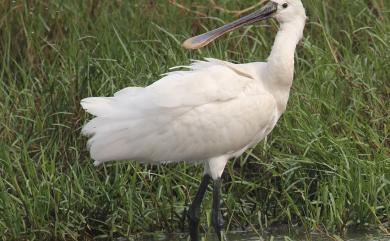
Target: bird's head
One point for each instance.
(282, 10)
(289, 10)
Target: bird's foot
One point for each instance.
(193, 213)
(183, 219)
(193, 224)
(218, 224)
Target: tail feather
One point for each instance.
(119, 140)
(110, 106)
(98, 106)
(129, 91)
(117, 124)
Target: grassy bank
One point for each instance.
(325, 167)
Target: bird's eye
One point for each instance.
(285, 5)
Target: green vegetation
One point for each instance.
(326, 167)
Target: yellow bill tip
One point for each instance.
(189, 44)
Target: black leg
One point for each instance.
(216, 215)
(193, 213)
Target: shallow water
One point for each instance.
(250, 236)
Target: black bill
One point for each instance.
(202, 40)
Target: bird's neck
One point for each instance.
(281, 60)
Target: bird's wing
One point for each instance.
(207, 81)
(204, 82)
(213, 108)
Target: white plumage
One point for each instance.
(210, 112)
(186, 115)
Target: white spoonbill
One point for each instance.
(208, 114)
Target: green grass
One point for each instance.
(325, 167)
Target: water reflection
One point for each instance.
(248, 236)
